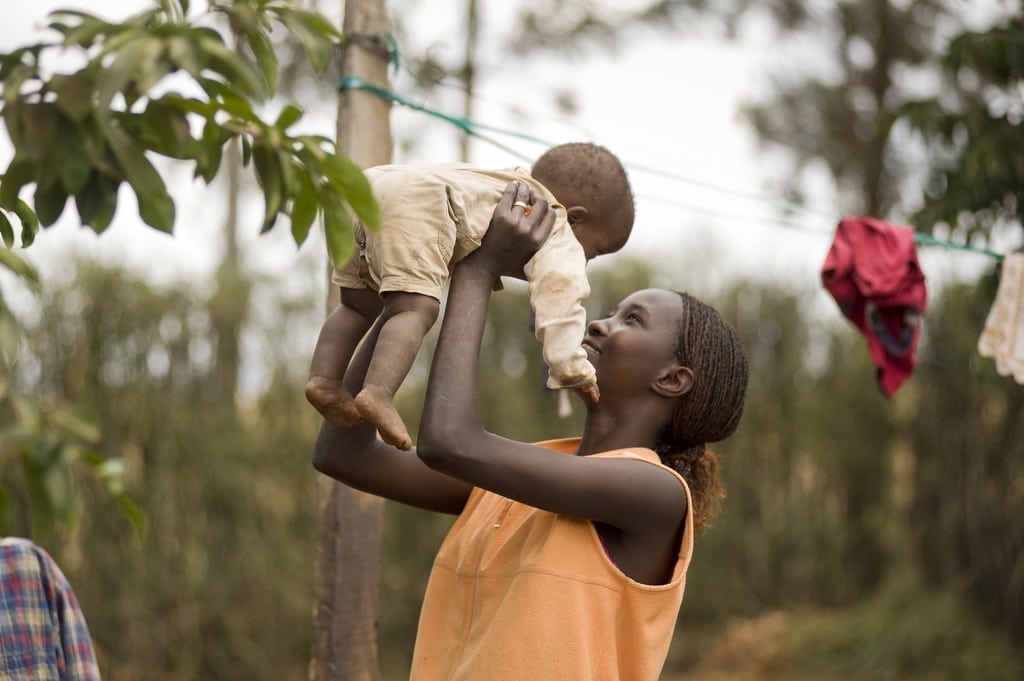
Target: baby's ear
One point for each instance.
(577, 215)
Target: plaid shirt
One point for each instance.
(43, 634)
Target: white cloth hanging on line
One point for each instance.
(1003, 336)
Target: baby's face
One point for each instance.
(598, 238)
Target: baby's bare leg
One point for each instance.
(408, 317)
(339, 336)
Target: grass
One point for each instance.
(905, 632)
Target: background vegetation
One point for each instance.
(863, 537)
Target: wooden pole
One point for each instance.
(346, 603)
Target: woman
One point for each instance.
(568, 559)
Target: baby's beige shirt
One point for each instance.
(432, 216)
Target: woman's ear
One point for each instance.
(675, 381)
(576, 215)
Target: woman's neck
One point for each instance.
(604, 431)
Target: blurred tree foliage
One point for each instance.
(973, 131)
(969, 474)
(953, 436)
(839, 106)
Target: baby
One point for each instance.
(432, 216)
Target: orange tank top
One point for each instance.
(522, 594)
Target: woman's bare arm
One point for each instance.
(357, 458)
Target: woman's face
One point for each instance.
(636, 342)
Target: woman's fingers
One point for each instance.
(520, 224)
(540, 219)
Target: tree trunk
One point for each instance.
(469, 71)
(345, 609)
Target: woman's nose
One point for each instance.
(598, 327)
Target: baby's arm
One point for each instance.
(558, 285)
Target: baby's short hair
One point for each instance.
(595, 174)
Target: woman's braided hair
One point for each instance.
(713, 350)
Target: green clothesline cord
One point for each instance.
(929, 240)
(468, 126)
(471, 127)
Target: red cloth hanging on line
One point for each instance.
(873, 273)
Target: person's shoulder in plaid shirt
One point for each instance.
(43, 634)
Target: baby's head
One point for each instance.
(591, 183)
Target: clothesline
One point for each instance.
(475, 128)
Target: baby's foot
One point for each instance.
(375, 404)
(332, 401)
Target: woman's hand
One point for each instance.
(520, 224)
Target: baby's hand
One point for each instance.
(589, 393)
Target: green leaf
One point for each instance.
(111, 474)
(6, 230)
(138, 63)
(14, 62)
(40, 129)
(189, 105)
(216, 89)
(166, 130)
(97, 202)
(79, 422)
(50, 202)
(269, 174)
(184, 53)
(87, 201)
(212, 145)
(29, 223)
(289, 171)
(84, 32)
(232, 68)
(246, 150)
(74, 93)
(304, 208)
(255, 37)
(266, 58)
(228, 99)
(15, 264)
(43, 517)
(20, 172)
(72, 155)
(155, 205)
(337, 229)
(134, 513)
(288, 117)
(59, 490)
(13, 104)
(111, 471)
(348, 179)
(316, 35)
